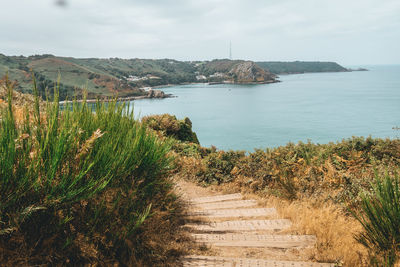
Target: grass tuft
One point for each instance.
(380, 219)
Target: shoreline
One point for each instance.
(244, 83)
(213, 83)
(119, 99)
(131, 98)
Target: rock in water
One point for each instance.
(156, 94)
(249, 72)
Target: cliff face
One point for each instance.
(249, 72)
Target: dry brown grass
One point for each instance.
(21, 103)
(334, 230)
(188, 166)
(19, 99)
(163, 235)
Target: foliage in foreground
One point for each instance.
(380, 218)
(79, 187)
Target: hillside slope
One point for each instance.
(75, 77)
(237, 71)
(278, 67)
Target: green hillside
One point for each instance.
(278, 67)
(100, 77)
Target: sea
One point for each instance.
(316, 107)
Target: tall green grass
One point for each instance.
(78, 180)
(380, 218)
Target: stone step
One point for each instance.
(216, 198)
(209, 261)
(233, 204)
(245, 225)
(254, 240)
(233, 213)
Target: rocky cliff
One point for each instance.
(250, 72)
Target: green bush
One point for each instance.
(76, 185)
(219, 166)
(169, 126)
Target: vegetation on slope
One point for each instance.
(336, 171)
(76, 78)
(79, 187)
(217, 65)
(99, 77)
(278, 67)
(168, 71)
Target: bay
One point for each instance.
(321, 107)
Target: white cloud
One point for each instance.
(189, 29)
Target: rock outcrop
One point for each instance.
(156, 94)
(250, 72)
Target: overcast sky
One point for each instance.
(349, 32)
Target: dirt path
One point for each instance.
(233, 231)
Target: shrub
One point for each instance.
(219, 166)
(77, 186)
(169, 126)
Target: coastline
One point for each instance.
(244, 83)
(163, 95)
(119, 99)
(213, 83)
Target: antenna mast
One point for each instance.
(230, 50)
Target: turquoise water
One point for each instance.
(321, 107)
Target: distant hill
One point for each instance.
(100, 77)
(279, 67)
(126, 77)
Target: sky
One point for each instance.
(350, 32)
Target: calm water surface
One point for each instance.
(320, 107)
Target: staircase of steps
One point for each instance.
(228, 221)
